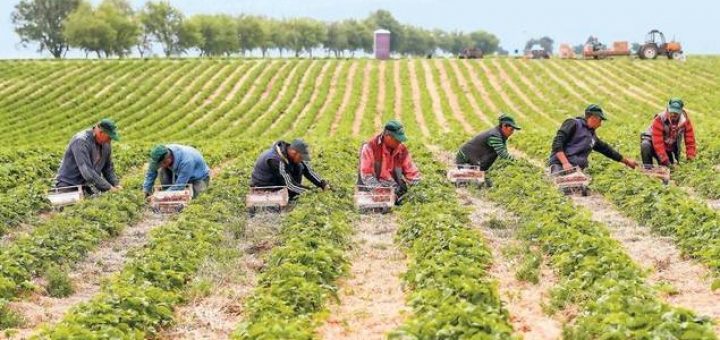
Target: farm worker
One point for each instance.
(486, 147)
(285, 165)
(575, 140)
(661, 141)
(88, 160)
(386, 162)
(177, 165)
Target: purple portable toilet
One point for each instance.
(381, 44)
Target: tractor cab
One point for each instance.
(656, 44)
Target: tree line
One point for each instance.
(114, 28)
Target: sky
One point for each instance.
(514, 22)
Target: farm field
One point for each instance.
(635, 259)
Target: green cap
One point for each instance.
(397, 130)
(157, 154)
(595, 110)
(675, 107)
(677, 100)
(509, 120)
(109, 127)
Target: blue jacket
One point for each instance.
(188, 166)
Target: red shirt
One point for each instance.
(665, 134)
(374, 152)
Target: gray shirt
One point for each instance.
(87, 163)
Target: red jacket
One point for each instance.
(377, 163)
(665, 135)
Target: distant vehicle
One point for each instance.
(471, 53)
(537, 52)
(594, 49)
(655, 44)
(566, 52)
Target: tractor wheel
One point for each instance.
(649, 52)
(677, 55)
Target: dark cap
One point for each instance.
(509, 120)
(109, 127)
(397, 130)
(595, 110)
(157, 154)
(300, 146)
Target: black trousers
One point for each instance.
(649, 156)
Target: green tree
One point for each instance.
(360, 36)
(109, 30)
(87, 31)
(219, 34)
(126, 28)
(336, 40)
(251, 32)
(267, 26)
(305, 35)
(280, 35)
(485, 41)
(417, 41)
(42, 21)
(164, 24)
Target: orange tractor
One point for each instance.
(655, 44)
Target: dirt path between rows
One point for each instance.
(284, 87)
(372, 300)
(346, 98)
(468, 94)
(86, 277)
(432, 89)
(328, 99)
(296, 96)
(523, 96)
(232, 277)
(397, 81)
(523, 300)
(364, 96)
(691, 281)
(475, 80)
(224, 84)
(417, 103)
(495, 83)
(445, 85)
(382, 92)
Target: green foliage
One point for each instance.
(164, 24)
(8, 317)
(42, 21)
(452, 293)
(110, 29)
(58, 284)
(301, 272)
(529, 268)
(139, 300)
(596, 274)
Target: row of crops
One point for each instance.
(232, 109)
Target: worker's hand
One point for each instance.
(115, 189)
(567, 166)
(148, 196)
(630, 163)
(325, 185)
